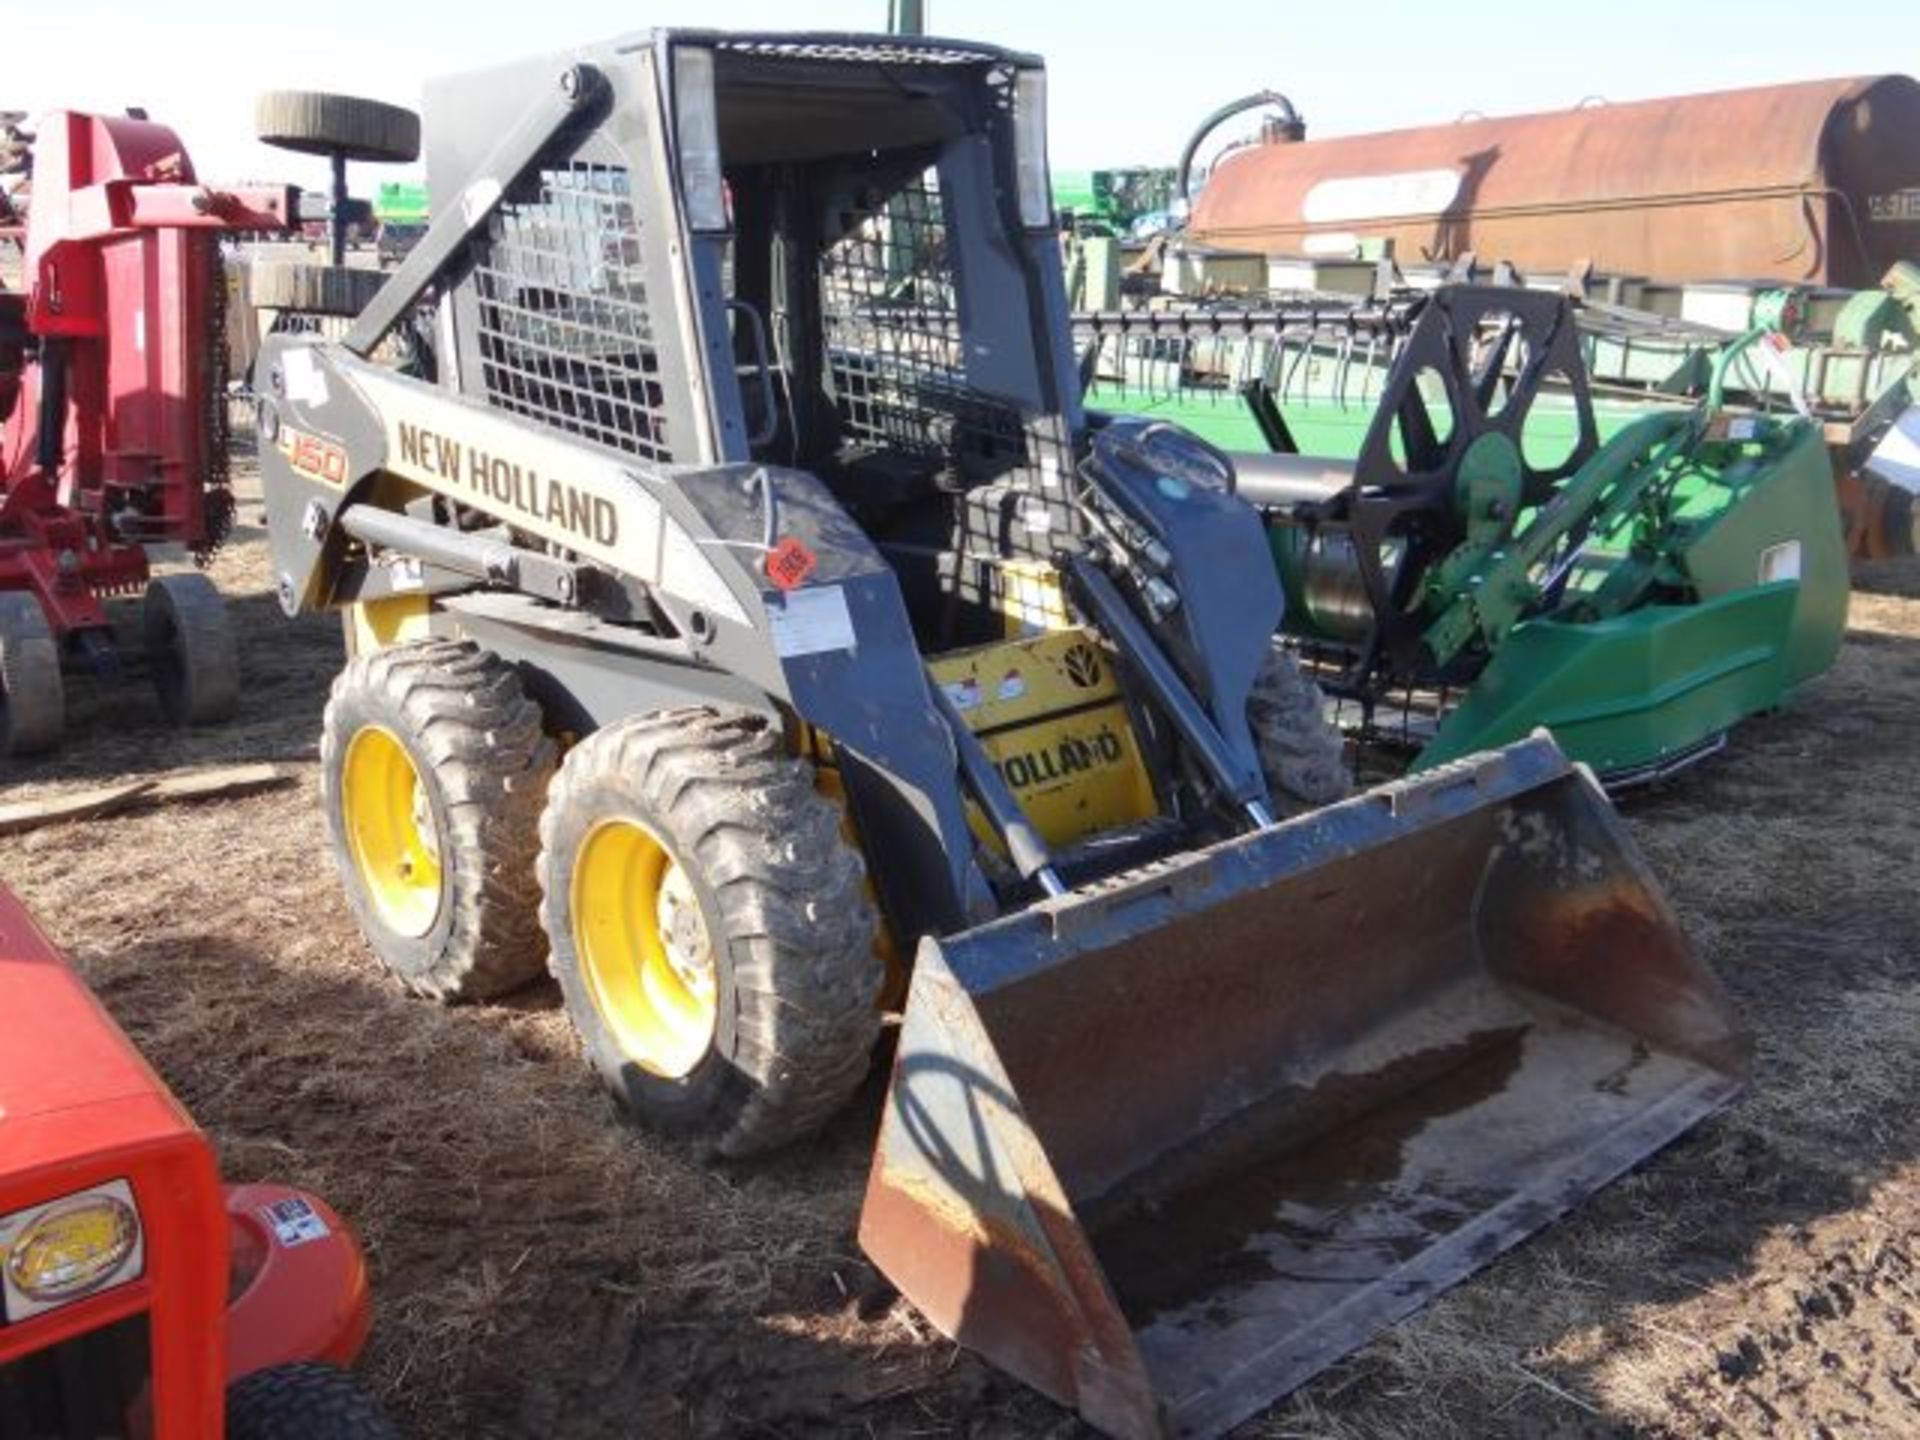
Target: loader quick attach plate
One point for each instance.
(1166, 1148)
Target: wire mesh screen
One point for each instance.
(565, 334)
(891, 318)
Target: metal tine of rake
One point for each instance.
(1306, 348)
(1366, 373)
(1275, 365)
(1342, 367)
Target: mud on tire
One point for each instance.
(1302, 754)
(482, 763)
(304, 1402)
(780, 892)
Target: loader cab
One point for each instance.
(861, 208)
(830, 253)
(875, 263)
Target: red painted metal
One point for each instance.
(1815, 183)
(82, 1108)
(120, 266)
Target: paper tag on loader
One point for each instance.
(810, 622)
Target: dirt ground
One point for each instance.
(544, 1270)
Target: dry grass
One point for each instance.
(544, 1270)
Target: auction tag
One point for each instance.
(789, 563)
(810, 622)
(294, 1222)
(305, 381)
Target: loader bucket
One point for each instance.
(1167, 1147)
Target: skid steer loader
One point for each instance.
(748, 604)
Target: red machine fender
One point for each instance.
(300, 1289)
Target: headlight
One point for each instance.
(70, 1248)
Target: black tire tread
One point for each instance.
(491, 759)
(313, 122)
(792, 891)
(1302, 753)
(189, 612)
(32, 695)
(305, 1401)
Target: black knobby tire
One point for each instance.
(475, 741)
(32, 698)
(314, 123)
(306, 1401)
(782, 897)
(1302, 753)
(297, 287)
(191, 649)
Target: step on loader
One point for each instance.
(747, 621)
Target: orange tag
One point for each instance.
(790, 563)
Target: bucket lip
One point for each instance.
(1206, 874)
(1256, 1381)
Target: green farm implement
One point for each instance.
(1492, 549)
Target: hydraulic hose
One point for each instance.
(1290, 117)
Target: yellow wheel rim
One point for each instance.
(644, 948)
(390, 831)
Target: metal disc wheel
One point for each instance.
(433, 764)
(32, 701)
(315, 123)
(191, 648)
(391, 831)
(709, 928)
(645, 950)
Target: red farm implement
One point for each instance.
(113, 402)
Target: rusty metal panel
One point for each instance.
(1815, 183)
(1166, 1147)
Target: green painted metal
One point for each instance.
(1718, 606)
(1624, 693)
(401, 202)
(1107, 202)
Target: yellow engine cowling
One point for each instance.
(1048, 710)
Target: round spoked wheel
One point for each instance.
(391, 831)
(645, 948)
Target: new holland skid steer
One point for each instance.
(747, 621)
